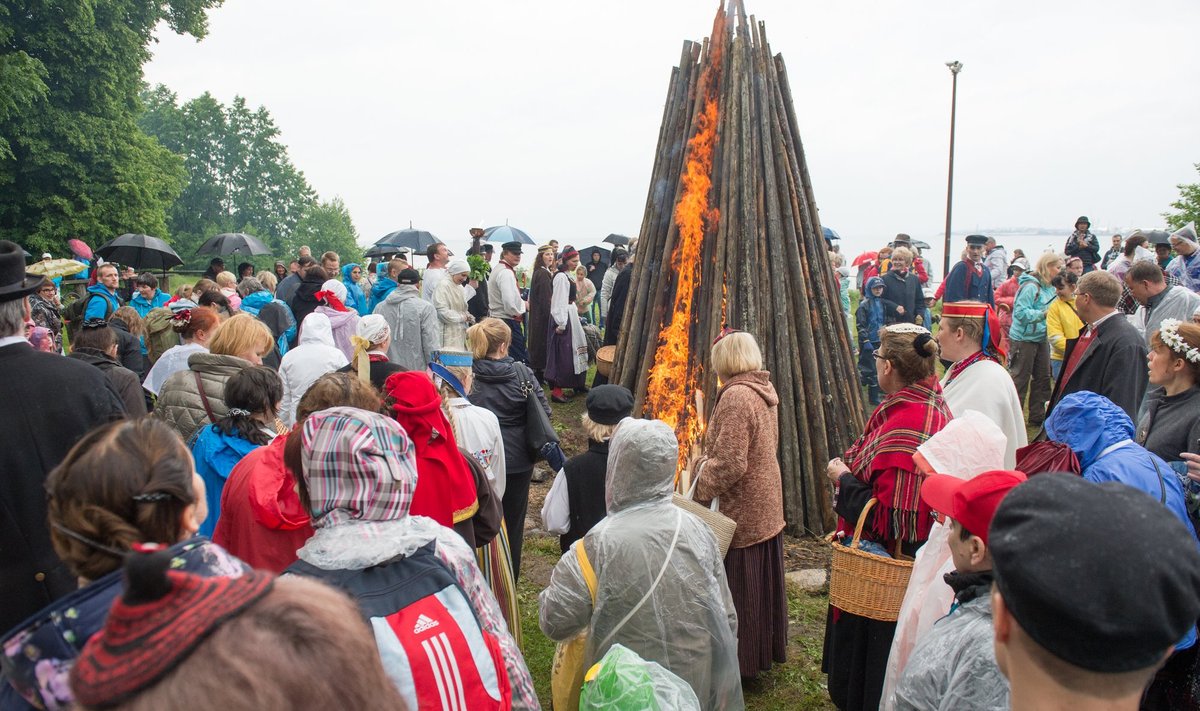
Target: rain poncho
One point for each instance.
(1187, 269)
(355, 298)
(313, 357)
(1101, 435)
(969, 445)
(661, 581)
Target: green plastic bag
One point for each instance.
(623, 681)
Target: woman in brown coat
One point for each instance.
(740, 466)
(537, 316)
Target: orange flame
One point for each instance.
(675, 376)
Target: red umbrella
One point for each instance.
(79, 248)
(864, 257)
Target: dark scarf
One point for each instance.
(968, 586)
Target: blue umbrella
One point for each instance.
(830, 233)
(504, 233)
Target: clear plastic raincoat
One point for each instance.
(661, 582)
(968, 446)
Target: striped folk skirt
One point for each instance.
(760, 597)
(495, 563)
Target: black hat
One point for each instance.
(487, 247)
(1084, 220)
(609, 404)
(1102, 576)
(977, 239)
(511, 247)
(14, 282)
(408, 276)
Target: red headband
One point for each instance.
(331, 300)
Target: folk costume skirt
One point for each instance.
(560, 360)
(759, 593)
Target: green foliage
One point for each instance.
(239, 176)
(72, 158)
(1188, 204)
(480, 269)
(325, 227)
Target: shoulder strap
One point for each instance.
(204, 398)
(1162, 486)
(524, 376)
(585, 567)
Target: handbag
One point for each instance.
(721, 525)
(566, 673)
(538, 431)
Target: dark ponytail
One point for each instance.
(247, 393)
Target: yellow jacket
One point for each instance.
(1062, 324)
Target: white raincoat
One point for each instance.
(450, 300)
(661, 588)
(313, 357)
(967, 446)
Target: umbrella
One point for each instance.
(382, 250)
(864, 257)
(234, 243)
(140, 252)
(830, 233)
(1157, 236)
(416, 240)
(79, 248)
(585, 255)
(53, 268)
(504, 233)
(919, 244)
(617, 239)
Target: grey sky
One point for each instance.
(547, 113)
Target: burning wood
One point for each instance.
(731, 206)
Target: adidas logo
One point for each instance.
(424, 624)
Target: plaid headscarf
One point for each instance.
(358, 465)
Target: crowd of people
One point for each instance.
(240, 466)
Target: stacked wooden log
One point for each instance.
(731, 238)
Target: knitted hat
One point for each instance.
(161, 618)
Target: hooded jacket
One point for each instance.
(313, 357)
(996, 262)
(661, 586)
(304, 302)
(355, 298)
(262, 520)
(144, 306)
(122, 379)
(498, 389)
(450, 300)
(416, 333)
(383, 286)
(179, 403)
(1032, 301)
(740, 463)
(103, 305)
(344, 324)
(216, 454)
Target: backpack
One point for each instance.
(73, 314)
(434, 649)
(159, 334)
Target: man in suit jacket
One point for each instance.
(1109, 357)
(49, 403)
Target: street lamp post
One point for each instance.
(955, 68)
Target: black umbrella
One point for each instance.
(618, 239)
(234, 243)
(585, 255)
(382, 250)
(1157, 236)
(416, 240)
(919, 244)
(140, 252)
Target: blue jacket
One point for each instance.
(37, 655)
(1029, 309)
(1101, 435)
(956, 286)
(355, 298)
(216, 454)
(379, 292)
(285, 331)
(103, 307)
(143, 307)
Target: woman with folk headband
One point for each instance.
(477, 431)
(371, 339)
(344, 320)
(538, 312)
(1170, 423)
(879, 465)
(969, 337)
(445, 486)
(566, 350)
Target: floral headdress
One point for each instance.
(1169, 333)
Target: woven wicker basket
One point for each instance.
(722, 526)
(604, 360)
(866, 584)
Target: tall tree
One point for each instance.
(1188, 204)
(327, 227)
(73, 160)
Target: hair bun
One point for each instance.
(925, 345)
(146, 573)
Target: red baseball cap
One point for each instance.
(972, 502)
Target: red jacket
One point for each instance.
(262, 520)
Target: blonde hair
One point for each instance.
(581, 268)
(241, 333)
(596, 431)
(226, 280)
(902, 253)
(735, 354)
(486, 337)
(268, 280)
(1044, 262)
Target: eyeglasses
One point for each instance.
(878, 355)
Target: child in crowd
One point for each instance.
(1062, 322)
(873, 313)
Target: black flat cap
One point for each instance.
(609, 404)
(511, 247)
(976, 239)
(1102, 576)
(487, 247)
(408, 276)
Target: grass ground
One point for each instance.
(796, 684)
